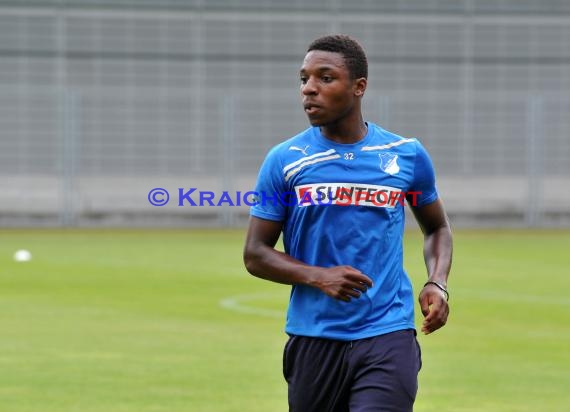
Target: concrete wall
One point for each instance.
(101, 99)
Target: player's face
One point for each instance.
(328, 92)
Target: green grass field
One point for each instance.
(115, 321)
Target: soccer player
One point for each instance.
(336, 192)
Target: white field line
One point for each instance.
(242, 303)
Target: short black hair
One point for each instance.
(352, 51)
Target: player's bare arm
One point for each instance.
(438, 250)
(264, 261)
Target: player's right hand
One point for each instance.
(342, 282)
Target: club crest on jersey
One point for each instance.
(389, 163)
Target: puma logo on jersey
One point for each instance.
(304, 151)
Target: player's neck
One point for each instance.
(346, 132)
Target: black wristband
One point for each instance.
(440, 287)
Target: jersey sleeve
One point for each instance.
(423, 183)
(271, 192)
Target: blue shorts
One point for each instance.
(366, 375)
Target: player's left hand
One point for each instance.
(434, 307)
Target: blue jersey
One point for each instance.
(343, 204)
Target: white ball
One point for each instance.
(22, 255)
